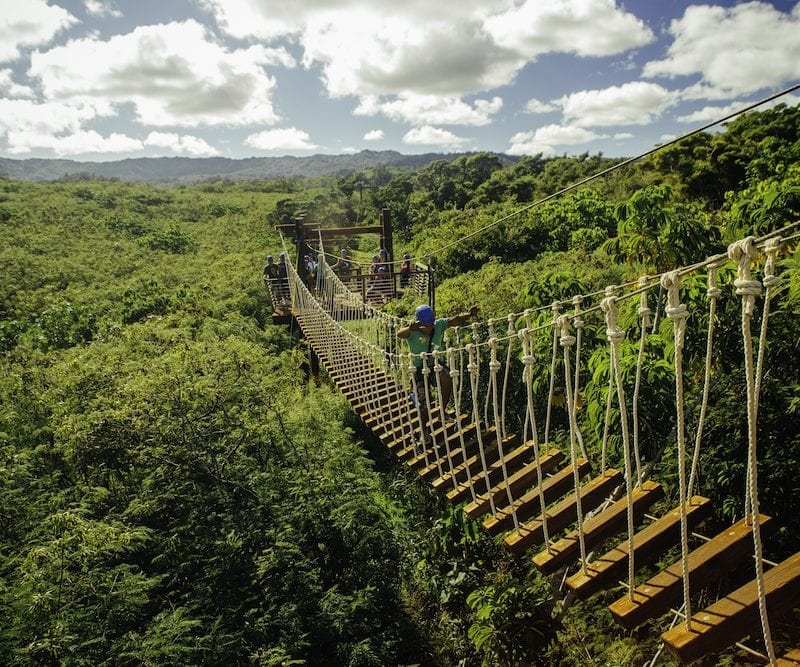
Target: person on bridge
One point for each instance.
(425, 334)
(270, 274)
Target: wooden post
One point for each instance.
(386, 233)
(300, 244)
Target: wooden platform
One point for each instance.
(564, 513)
(598, 528)
(705, 564)
(735, 616)
(649, 545)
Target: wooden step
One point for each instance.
(564, 513)
(447, 440)
(521, 479)
(600, 527)
(453, 442)
(791, 659)
(735, 616)
(473, 465)
(493, 472)
(649, 545)
(527, 505)
(705, 564)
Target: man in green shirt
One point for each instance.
(425, 334)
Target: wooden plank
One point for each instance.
(598, 528)
(473, 465)
(564, 513)
(735, 616)
(705, 564)
(521, 479)
(527, 505)
(469, 431)
(493, 472)
(791, 659)
(649, 545)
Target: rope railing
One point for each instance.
(503, 381)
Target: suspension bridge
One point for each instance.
(587, 524)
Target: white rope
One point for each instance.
(578, 323)
(644, 325)
(567, 340)
(530, 418)
(676, 311)
(474, 370)
(713, 293)
(556, 308)
(615, 336)
(744, 253)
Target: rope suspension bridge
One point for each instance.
(591, 524)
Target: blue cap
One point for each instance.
(424, 315)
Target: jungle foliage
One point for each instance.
(174, 489)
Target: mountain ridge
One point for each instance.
(184, 170)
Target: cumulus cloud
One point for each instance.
(621, 136)
(281, 139)
(373, 135)
(710, 113)
(81, 142)
(430, 109)
(173, 74)
(635, 103)
(99, 8)
(386, 48)
(537, 106)
(181, 144)
(433, 136)
(727, 48)
(30, 23)
(546, 139)
(9, 87)
(31, 119)
(582, 27)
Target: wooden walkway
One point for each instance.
(501, 485)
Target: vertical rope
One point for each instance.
(494, 368)
(615, 336)
(510, 336)
(578, 323)
(567, 340)
(474, 370)
(455, 375)
(676, 311)
(556, 308)
(744, 253)
(530, 418)
(644, 325)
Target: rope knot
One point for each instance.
(567, 339)
(609, 308)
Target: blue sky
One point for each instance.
(112, 79)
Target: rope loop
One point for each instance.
(609, 308)
(771, 249)
(644, 310)
(437, 366)
(494, 364)
(745, 253)
(425, 369)
(566, 339)
(472, 365)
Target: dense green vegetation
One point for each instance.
(173, 489)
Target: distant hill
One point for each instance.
(176, 170)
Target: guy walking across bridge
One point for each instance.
(425, 334)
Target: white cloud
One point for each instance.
(282, 139)
(10, 87)
(428, 109)
(29, 23)
(635, 103)
(545, 139)
(31, 118)
(99, 8)
(711, 113)
(373, 135)
(173, 74)
(181, 144)
(621, 136)
(418, 48)
(735, 50)
(537, 106)
(81, 142)
(433, 136)
(582, 27)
